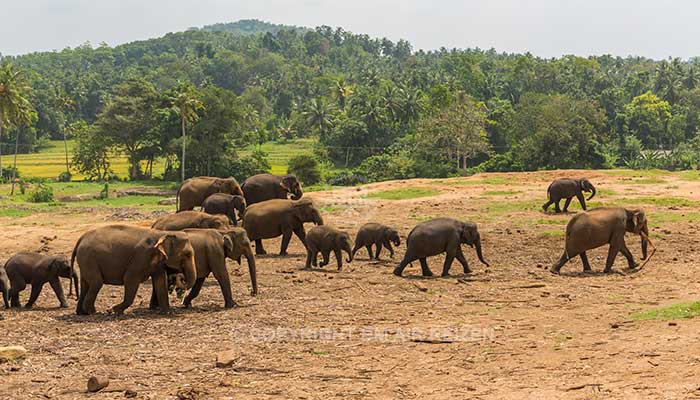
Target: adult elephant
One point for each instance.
(272, 218)
(263, 187)
(128, 255)
(211, 249)
(567, 188)
(600, 226)
(194, 191)
(441, 235)
(5, 287)
(190, 219)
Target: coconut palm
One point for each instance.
(15, 108)
(319, 115)
(184, 102)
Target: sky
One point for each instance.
(548, 28)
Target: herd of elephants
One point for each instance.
(181, 249)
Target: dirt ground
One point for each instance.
(510, 331)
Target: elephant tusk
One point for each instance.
(653, 250)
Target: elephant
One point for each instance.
(378, 235)
(276, 217)
(127, 256)
(194, 191)
(36, 269)
(600, 226)
(441, 235)
(566, 188)
(227, 204)
(190, 219)
(325, 239)
(5, 287)
(211, 249)
(263, 187)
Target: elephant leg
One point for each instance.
(259, 249)
(355, 248)
(582, 200)
(379, 250)
(449, 258)
(566, 204)
(462, 260)
(36, 290)
(91, 297)
(310, 254)
(424, 267)
(584, 260)
(556, 267)
(628, 255)
(286, 237)
(391, 249)
(58, 289)
(15, 288)
(369, 251)
(326, 258)
(194, 292)
(221, 276)
(131, 286)
(153, 303)
(301, 234)
(557, 209)
(339, 258)
(546, 205)
(612, 253)
(81, 297)
(407, 259)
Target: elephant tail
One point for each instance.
(72, 269)
(549, 190)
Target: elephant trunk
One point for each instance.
(477, 244)
(252, 271)
(347, 249)
(592, 192)
(74, 281)
(189, 269)
(296, 195)
(645, 242)
(318, 220)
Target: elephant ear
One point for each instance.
(468, 234)
(228, 246)
(639, 220)
(160, 246)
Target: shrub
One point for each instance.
(42, 194)
(305, 168)
(64, 176)
(346, 178)
(241, 168)
(7, 174)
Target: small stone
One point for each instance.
(672, 324)
(11, 353)
(226, 358)
(95, 384)
(130, 394)
(614, 326)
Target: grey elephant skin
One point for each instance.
(262, 187)
(598, 227)
(273, 218)
(4, 287)
(211, 249)
(226, 204)
(127, 256)
(378, 235)
(194, 191)
(36, 269)
(325, 239)
(441, 235)
(567, 188)
(191, 219)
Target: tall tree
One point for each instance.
(15, 108)
(184, 102)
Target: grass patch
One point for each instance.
(511, 206)
(403, 194)
(676, 311)
(660, 201)
(605, 192)
(553, 232)
(632, 173)
(14, 212)
(663, 217)
(552, 221)
(501, 192)
(488, 180)
(689, 176)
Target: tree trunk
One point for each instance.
(184, 136)
(65, 145)
(0, 150)
(14, 168)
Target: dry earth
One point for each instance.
(509, 331)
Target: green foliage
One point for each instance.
(305, 168)
(676, 311)
(346, 178)
(91, 153)
(241, 168)
(64, 176)
(43, 193)
(403, 194)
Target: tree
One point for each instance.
(319, 115)
(67, 105)
(91, 153)
(647, 118)
(15, 108)
(184, 102)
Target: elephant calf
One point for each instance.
(440, 235)
(191, 219)
(600, 226)
(378, 235)
(226, 204)
(211, 249)
(36, 269)
(566, 188)
(325, 239)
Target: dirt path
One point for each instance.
(510, 331)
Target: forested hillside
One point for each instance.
(379, 108)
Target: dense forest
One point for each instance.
(380, 109)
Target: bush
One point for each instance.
(42, 194)
(64, 176)
(384, 167)
(346, 178)
(241, 168)
(7, 174)
(305, 168)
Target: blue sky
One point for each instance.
(548, 28)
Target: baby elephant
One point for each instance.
(36, 269)
(441, 235)
(326, 239)
(190, 219)
(227, 204)
(600, 226)
(378, 235)
(566, 188)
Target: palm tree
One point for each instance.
(319, 115)
(185, 103)
(15, 108)
(67, 105)
(342, 92)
